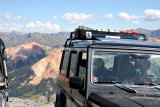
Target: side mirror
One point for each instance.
(76, 82)
(2, 82)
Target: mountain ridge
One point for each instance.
(52, 40)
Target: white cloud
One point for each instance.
(152, 15)
(109, 22)
(31, 27)
(43, 26)
(108, 16)
(17, 18)
(49, 26)
(74, 18)
(56, 27)
(54, 17)
(11, 16)
(8, 16)
(125, 16)
(39, 23)
(10, 27)
(136, 22)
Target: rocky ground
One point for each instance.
(35, 101)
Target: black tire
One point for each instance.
(60, 101)
(57, 102)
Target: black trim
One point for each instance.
(128, 89)
(101, 101)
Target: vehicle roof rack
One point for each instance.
(86, 33)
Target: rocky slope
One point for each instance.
(32, 72)
(153, 40)
(26, 54)
(46, 68)
(155, 34)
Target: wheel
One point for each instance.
(57, 102)
(60, 101)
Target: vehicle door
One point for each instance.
(71, 73)
(63, 80)
(78, 95)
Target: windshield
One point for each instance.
(125, 68)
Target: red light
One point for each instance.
(134, 32)
(124, 31)
(129, 31)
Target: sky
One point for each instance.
(52, 16)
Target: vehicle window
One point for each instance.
(64, 65)
(125, 68)
(73, 63)
(82, 65)
(82, 69)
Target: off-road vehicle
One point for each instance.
(3, 76)
(100, 68)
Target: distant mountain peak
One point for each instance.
(13, 33)
(29, 35)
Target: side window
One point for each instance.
(82, 69)
(64, 65)
(82, 64)
(73, 63)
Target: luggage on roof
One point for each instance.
(86, 33)
(85, 28)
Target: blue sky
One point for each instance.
(52, 16)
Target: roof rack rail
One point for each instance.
(86, 33)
